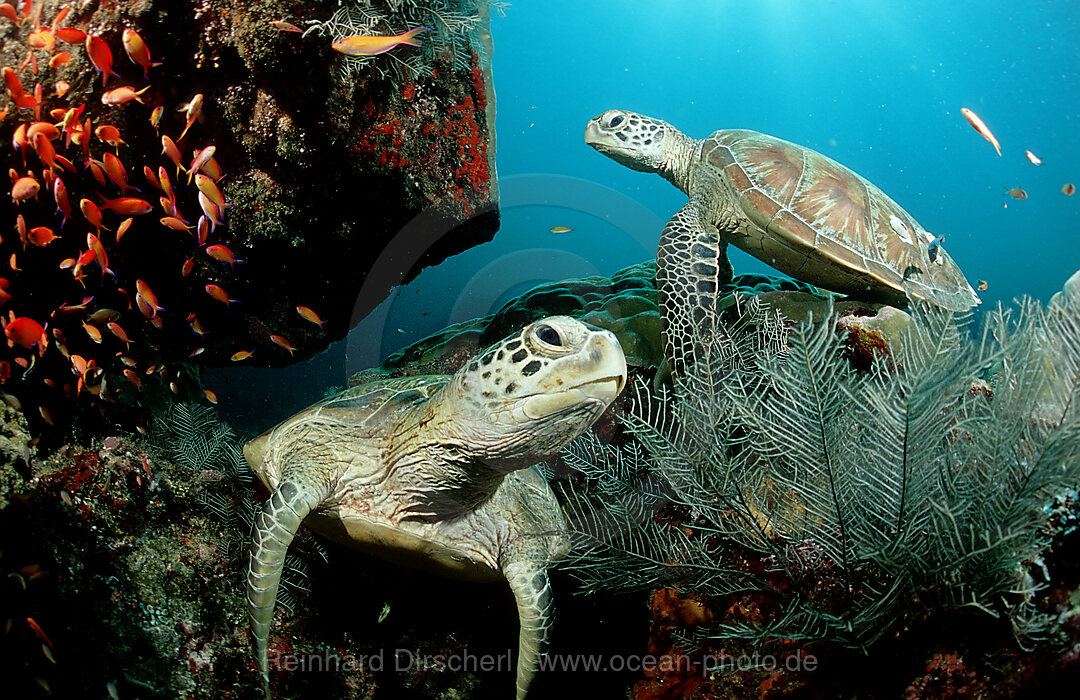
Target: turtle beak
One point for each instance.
(592, 132)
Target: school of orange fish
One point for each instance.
(94, 326)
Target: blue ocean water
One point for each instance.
(875, 85)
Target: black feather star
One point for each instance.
(924, 482)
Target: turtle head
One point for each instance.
(641, 143)
(523, 399)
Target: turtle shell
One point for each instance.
(376, 407)
(816, 220)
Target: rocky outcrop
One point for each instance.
(340, 179)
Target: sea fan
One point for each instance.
(863, 497)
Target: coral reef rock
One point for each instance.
(339, 179)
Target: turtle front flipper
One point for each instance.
(532, 591)
(275, 527)
(691, 264)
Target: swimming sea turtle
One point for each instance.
(432, 471)
(788, 206)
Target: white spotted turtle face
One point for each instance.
(629, 139)
(526, 397)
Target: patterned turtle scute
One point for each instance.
(811, 207)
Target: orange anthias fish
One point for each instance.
(283, 343)
(126, 206)
(26, 332)
(92, 214)
(200, 159)
(981, 127)
(192, 110)
(374, 45)
(24, 188)
(116, 172)
(210, 189)
(41, 236)
(155, 116)
(145, 295)
(39, 632)
(168, 147)
(110, 135)
(309, 315)
(242, 355)
(222, 254)
(100, 56)
(123, 95)
(136, 50)
(118, 331)
(218, 294)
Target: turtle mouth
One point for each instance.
(603, 387)
(599, 392)
(602, 139)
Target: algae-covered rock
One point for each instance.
(14, 453)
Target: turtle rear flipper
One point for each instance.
(274, 529)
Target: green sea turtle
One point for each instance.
(432, 471)
(788, 206)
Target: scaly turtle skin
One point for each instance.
(790, 207)
(432, 471)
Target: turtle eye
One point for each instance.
(549, 335)
(616, 120)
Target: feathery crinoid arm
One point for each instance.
(797, 425)
(1019, 450)
(923, 482)
(905, 416)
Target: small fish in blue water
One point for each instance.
(401, 330)
(983, 285)
(981, 127)
(561, 229)
(934, 247)
(1035, 160)
(1017, 193)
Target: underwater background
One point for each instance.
(130, 548)
(877, 86)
